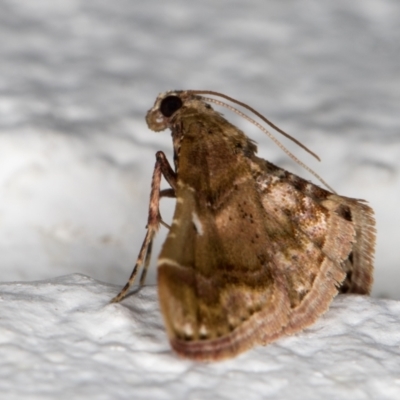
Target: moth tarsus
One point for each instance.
(253, 252)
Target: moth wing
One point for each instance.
(339, 228)
(282, 192)
(220, 297)
(218, 293)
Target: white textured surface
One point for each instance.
(61, 339)
(76, 79)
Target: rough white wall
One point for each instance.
(61, 338)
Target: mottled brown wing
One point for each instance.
(299, 200)
(233, 273)
(217, 292)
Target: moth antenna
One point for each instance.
(255, 112)
(259, 126)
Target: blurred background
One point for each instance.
(77, 77)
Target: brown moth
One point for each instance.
(254, 252)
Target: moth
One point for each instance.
(253, 252)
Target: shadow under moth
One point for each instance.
(253, 252)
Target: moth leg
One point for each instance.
(146, 264)
(167, 193)
(144, 251)
(163, 193)
(161, 168)
(167, 171)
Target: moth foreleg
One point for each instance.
(163, 193)
(167, 193)
(161, 168)
(144, 254)
(167, 172)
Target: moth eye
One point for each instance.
(169, 105)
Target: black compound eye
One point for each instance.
(169, 105)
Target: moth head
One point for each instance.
(166, 105)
